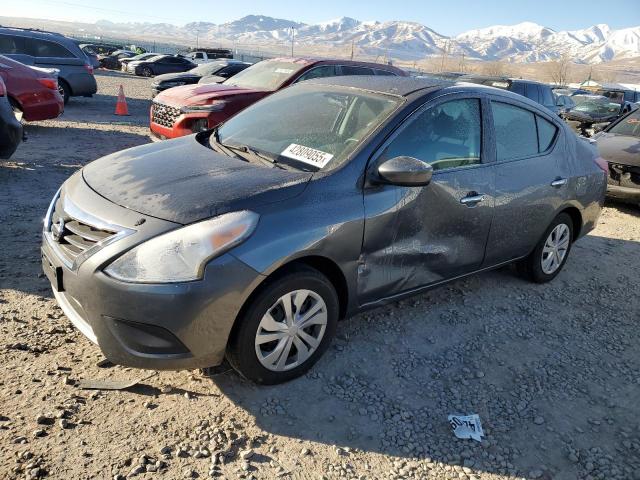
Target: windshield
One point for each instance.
(595, 105)
(265, 75)
(331, 125)
(207, 68)
(628, 126)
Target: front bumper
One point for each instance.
(153, 326)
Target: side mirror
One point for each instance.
(405, 171)
(223, 74)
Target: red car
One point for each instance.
(188, 109)
(34, 92)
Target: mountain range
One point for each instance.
(403, 40)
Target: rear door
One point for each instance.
(532, 178)
(51, 54)
(419, 236)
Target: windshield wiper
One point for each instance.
(261, 157)
(220, 147)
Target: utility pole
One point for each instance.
(197, 40)
(351, 49)
(293, 38)
(462, 63)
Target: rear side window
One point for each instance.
(546, 133)
(515, 130)
(351, 70)
(44, 48)
(532, 92)
(11, 45)
(385, 73)
(199, 56)
(517, 87)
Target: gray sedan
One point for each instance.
(336, 195)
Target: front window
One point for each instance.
(307, 127)
(630, 125)
(266, 75)
(208, 68)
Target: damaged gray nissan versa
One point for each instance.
(250, 241)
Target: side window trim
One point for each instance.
(316, 67)
(487, 155)
(511, 102)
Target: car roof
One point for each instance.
(390, 85)
(498, 78)
(333, 61)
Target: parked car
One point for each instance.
(10, 127)
(51, 50)
(31, 91)
(193, 108)
(211, 72)
(253, 239)
(159, 65)
(208, 55)
(112, 61)
(124, 62)
(564, 103)
(593, 109)
(619, 145)
(538, 92)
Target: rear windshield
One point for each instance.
(266, 75)
(628, 126)
(595, 105)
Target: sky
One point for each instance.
(446, 17)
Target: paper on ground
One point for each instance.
(466, 426)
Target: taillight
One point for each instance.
(3, 89)
(51, 83)
(88, 68)
(602, 163)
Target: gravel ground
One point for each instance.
(552, 370)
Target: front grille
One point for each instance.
(624, 175)
(73, 236)
(164, 115)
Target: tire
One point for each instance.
(146, 72)
(539, 266)
(64, 89)
(262, 361)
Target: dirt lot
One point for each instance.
(553, 370)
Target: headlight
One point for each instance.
(212, 107)
(181, 255)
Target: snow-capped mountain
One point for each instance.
(524, 42)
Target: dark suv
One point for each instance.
(51, 50)
(536, 91)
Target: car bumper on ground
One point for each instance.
(627, 194)
(154, 326)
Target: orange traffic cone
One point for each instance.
(121, 104)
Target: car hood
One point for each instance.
(200, 94)
(623, 149)
(184, 181)
(172, 77)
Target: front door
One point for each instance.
(419, 236)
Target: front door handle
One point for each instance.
(558, 182)
(471, 200)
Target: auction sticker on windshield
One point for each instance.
(307, 155)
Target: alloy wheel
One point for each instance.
(555, 248)
(291, 330)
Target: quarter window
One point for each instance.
(11, 45)
(515, 130)
(546, 133)
(446, 136)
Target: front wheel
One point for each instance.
(65, 90)
(286, 328)
(146, 72)
(551, 253)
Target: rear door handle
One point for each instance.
(472, 200)
(558, 182)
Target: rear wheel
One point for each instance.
(286, 328)
(64, 89)
(551, 253)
